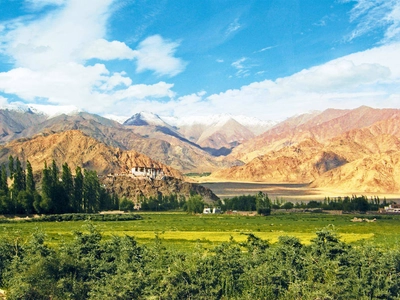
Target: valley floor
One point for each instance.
(287, 191)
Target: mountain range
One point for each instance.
(354, 150)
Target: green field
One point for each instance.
(183, 231)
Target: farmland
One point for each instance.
(195, 257)
(183, 231)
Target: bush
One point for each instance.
(288, 205)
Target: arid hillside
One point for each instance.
(362, 159)
(319, 126)
(78, 149)
(136, 188)
(160, 143)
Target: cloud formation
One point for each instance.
(52, 58)
(370, 77)
(64, 57)
(376, 14)
(156, 54)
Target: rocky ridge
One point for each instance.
(358, 160)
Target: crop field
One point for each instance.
(184, 232)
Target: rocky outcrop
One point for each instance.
(136, 188)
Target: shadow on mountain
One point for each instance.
(170, 132)
(218, 152)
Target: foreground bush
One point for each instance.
(91, 268)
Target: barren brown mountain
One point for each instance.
(160, 146)
(176, 151)
(78, 149)
(319, 126)
(13, 122)
(226, 135)
(359, 160)
(378, 173)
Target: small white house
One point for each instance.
(207, 210)
(147, 172)
(393, 208)
(215, 210)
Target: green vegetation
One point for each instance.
(182, 231)
(260, 203)
(60, 191)
(89, 267)
(347, 204)
(205, 174)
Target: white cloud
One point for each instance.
(242, 70)
(238, 64)
(234, 26)
(59, 37)
(3, 101)
(38, 4)
(157, 54)
(376, 14)
(117, 79)
(143, 91)
(366, 78)
(265, 49)
(104, 50)
(51, 53)
(63, 84)
(339, 75)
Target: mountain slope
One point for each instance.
(359, 160)
(378, 173)
(170, 149)
(78, 149)
(13, 122)
(226, 134)
(319, 126)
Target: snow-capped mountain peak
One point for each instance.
(145, 118)
(49, 111)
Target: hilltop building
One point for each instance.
(149, 172)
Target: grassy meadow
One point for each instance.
(183, 231)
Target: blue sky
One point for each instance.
(264, 58)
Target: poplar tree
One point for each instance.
(4, 180)
(11, 166)
(46, 204)
(30, 183)
(68, 186)
(78, 190)
(91, 192)
(19, 178)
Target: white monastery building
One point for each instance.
(149, 172)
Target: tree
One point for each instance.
(195, 204)
(77, 204)
(30, 182)
(11, 165)
(263, 204)
(68, 186)
(25, 200)
(91, 192)
(288, 205)
(46, 204)
(126, 205)
(19, 178)
(4, 180)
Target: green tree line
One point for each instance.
(60, 192)
(119, 268)
(262, 203)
